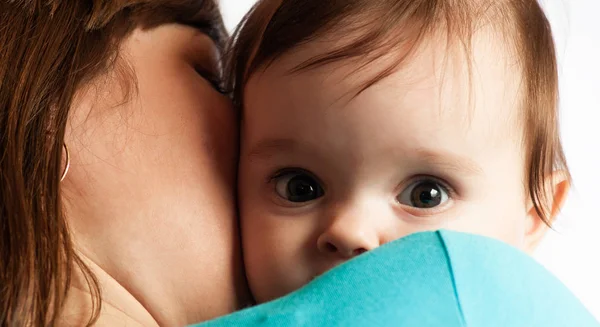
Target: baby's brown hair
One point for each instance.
(378, 27)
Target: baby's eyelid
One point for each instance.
(426, 178)
(295, 171)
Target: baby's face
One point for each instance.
(326, 175)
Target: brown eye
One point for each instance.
(424, 195)
(298, 187)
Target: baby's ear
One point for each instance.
(558, 186)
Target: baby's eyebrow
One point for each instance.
(270, 147)
(432, 157)
(448, 161)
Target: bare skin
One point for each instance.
(150, 192)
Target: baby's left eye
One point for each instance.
(298, 187)
(425, 194)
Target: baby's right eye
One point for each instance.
(298, 186)
(425, 194)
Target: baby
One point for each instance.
(364, 121)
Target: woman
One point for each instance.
(117, 165)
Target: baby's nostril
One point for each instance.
(329, 247)
(359, 251)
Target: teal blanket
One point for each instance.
(428, 279)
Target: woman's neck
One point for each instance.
(118, 307)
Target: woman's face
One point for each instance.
(150, 192)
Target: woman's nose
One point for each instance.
(349, 236)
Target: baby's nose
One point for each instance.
(346, 238)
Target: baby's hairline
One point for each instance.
(407, 51)
(453, 52)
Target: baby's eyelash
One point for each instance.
(279, 173)
(284, 171)
(426, 178)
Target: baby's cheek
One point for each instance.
(269, 258)
(501, 218)
(258, 260)
(510, 219)
(497, 206)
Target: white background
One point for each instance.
(571, 252)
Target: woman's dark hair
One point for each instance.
(48, 50)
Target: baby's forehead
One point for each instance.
(481, 80)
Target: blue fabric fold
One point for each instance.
(442, 278)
